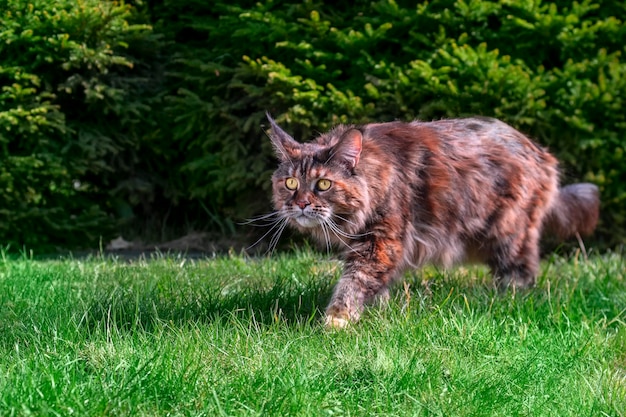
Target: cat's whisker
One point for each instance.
(344, 219)
(274, 241)
(345, 234)
(265, 224)
(338, 233)
(326, 237)
(346, 244)
(269, 216)
(279, 223)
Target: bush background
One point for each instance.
(147, 117)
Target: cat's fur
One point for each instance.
(405, 194)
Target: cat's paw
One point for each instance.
(336, 322)
(340, 318)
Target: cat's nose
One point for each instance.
(302, 204)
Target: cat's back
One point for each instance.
(480, 131)
(473, 138)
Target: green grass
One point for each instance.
(238, 336)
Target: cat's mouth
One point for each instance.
(306, 221)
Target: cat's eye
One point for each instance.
(291, 183)
(323, 184)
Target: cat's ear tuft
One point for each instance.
(285, 146)
(348, 149)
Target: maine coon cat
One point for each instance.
(398, 195)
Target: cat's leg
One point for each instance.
(365, 279)
(515, 260)
(381, 298)
(349, 296)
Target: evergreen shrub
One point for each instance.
(68, 113)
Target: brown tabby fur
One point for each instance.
(406, 194)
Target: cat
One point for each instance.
(398, 195)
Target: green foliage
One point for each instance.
(66, 111)
(104, 120)
(552, 69)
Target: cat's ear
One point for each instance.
(348, 149)
(285, 146)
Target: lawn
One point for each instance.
(240, 336)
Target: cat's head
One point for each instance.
(317, 184)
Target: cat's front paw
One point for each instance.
(336, 322)
(340, 318)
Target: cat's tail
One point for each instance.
(575, 211)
